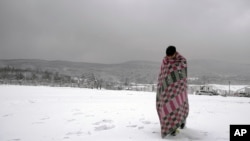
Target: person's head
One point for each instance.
(171, 51)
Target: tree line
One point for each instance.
(17, 76)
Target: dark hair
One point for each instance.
(171, 50)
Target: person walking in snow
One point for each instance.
(172, 99)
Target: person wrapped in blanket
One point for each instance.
(171, 98)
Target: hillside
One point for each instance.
(139, 71)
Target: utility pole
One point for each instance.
(229, 87)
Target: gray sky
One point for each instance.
(113, 31)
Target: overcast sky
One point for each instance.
(114, 31)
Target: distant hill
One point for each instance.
(218, 68)
(138, 71)
(213, 71)
(134, 71)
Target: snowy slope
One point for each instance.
(69, 114)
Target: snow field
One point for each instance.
(29, 113)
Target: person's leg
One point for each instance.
(173, 133)
(183, 125)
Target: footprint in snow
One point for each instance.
(103, 121)
(78, 133)
(222, 139)
(7, 115)
(32, 101)
(104, 127)
(45, 118)
(141, 127)
(132, 126)
(66, 138)
(16, 140)
(90, 116)
(78, 113)
(146, 122)
(71, 120)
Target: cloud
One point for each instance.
(122, 30)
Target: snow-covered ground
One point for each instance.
(30, 113)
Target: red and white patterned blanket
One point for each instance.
(172, 100)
